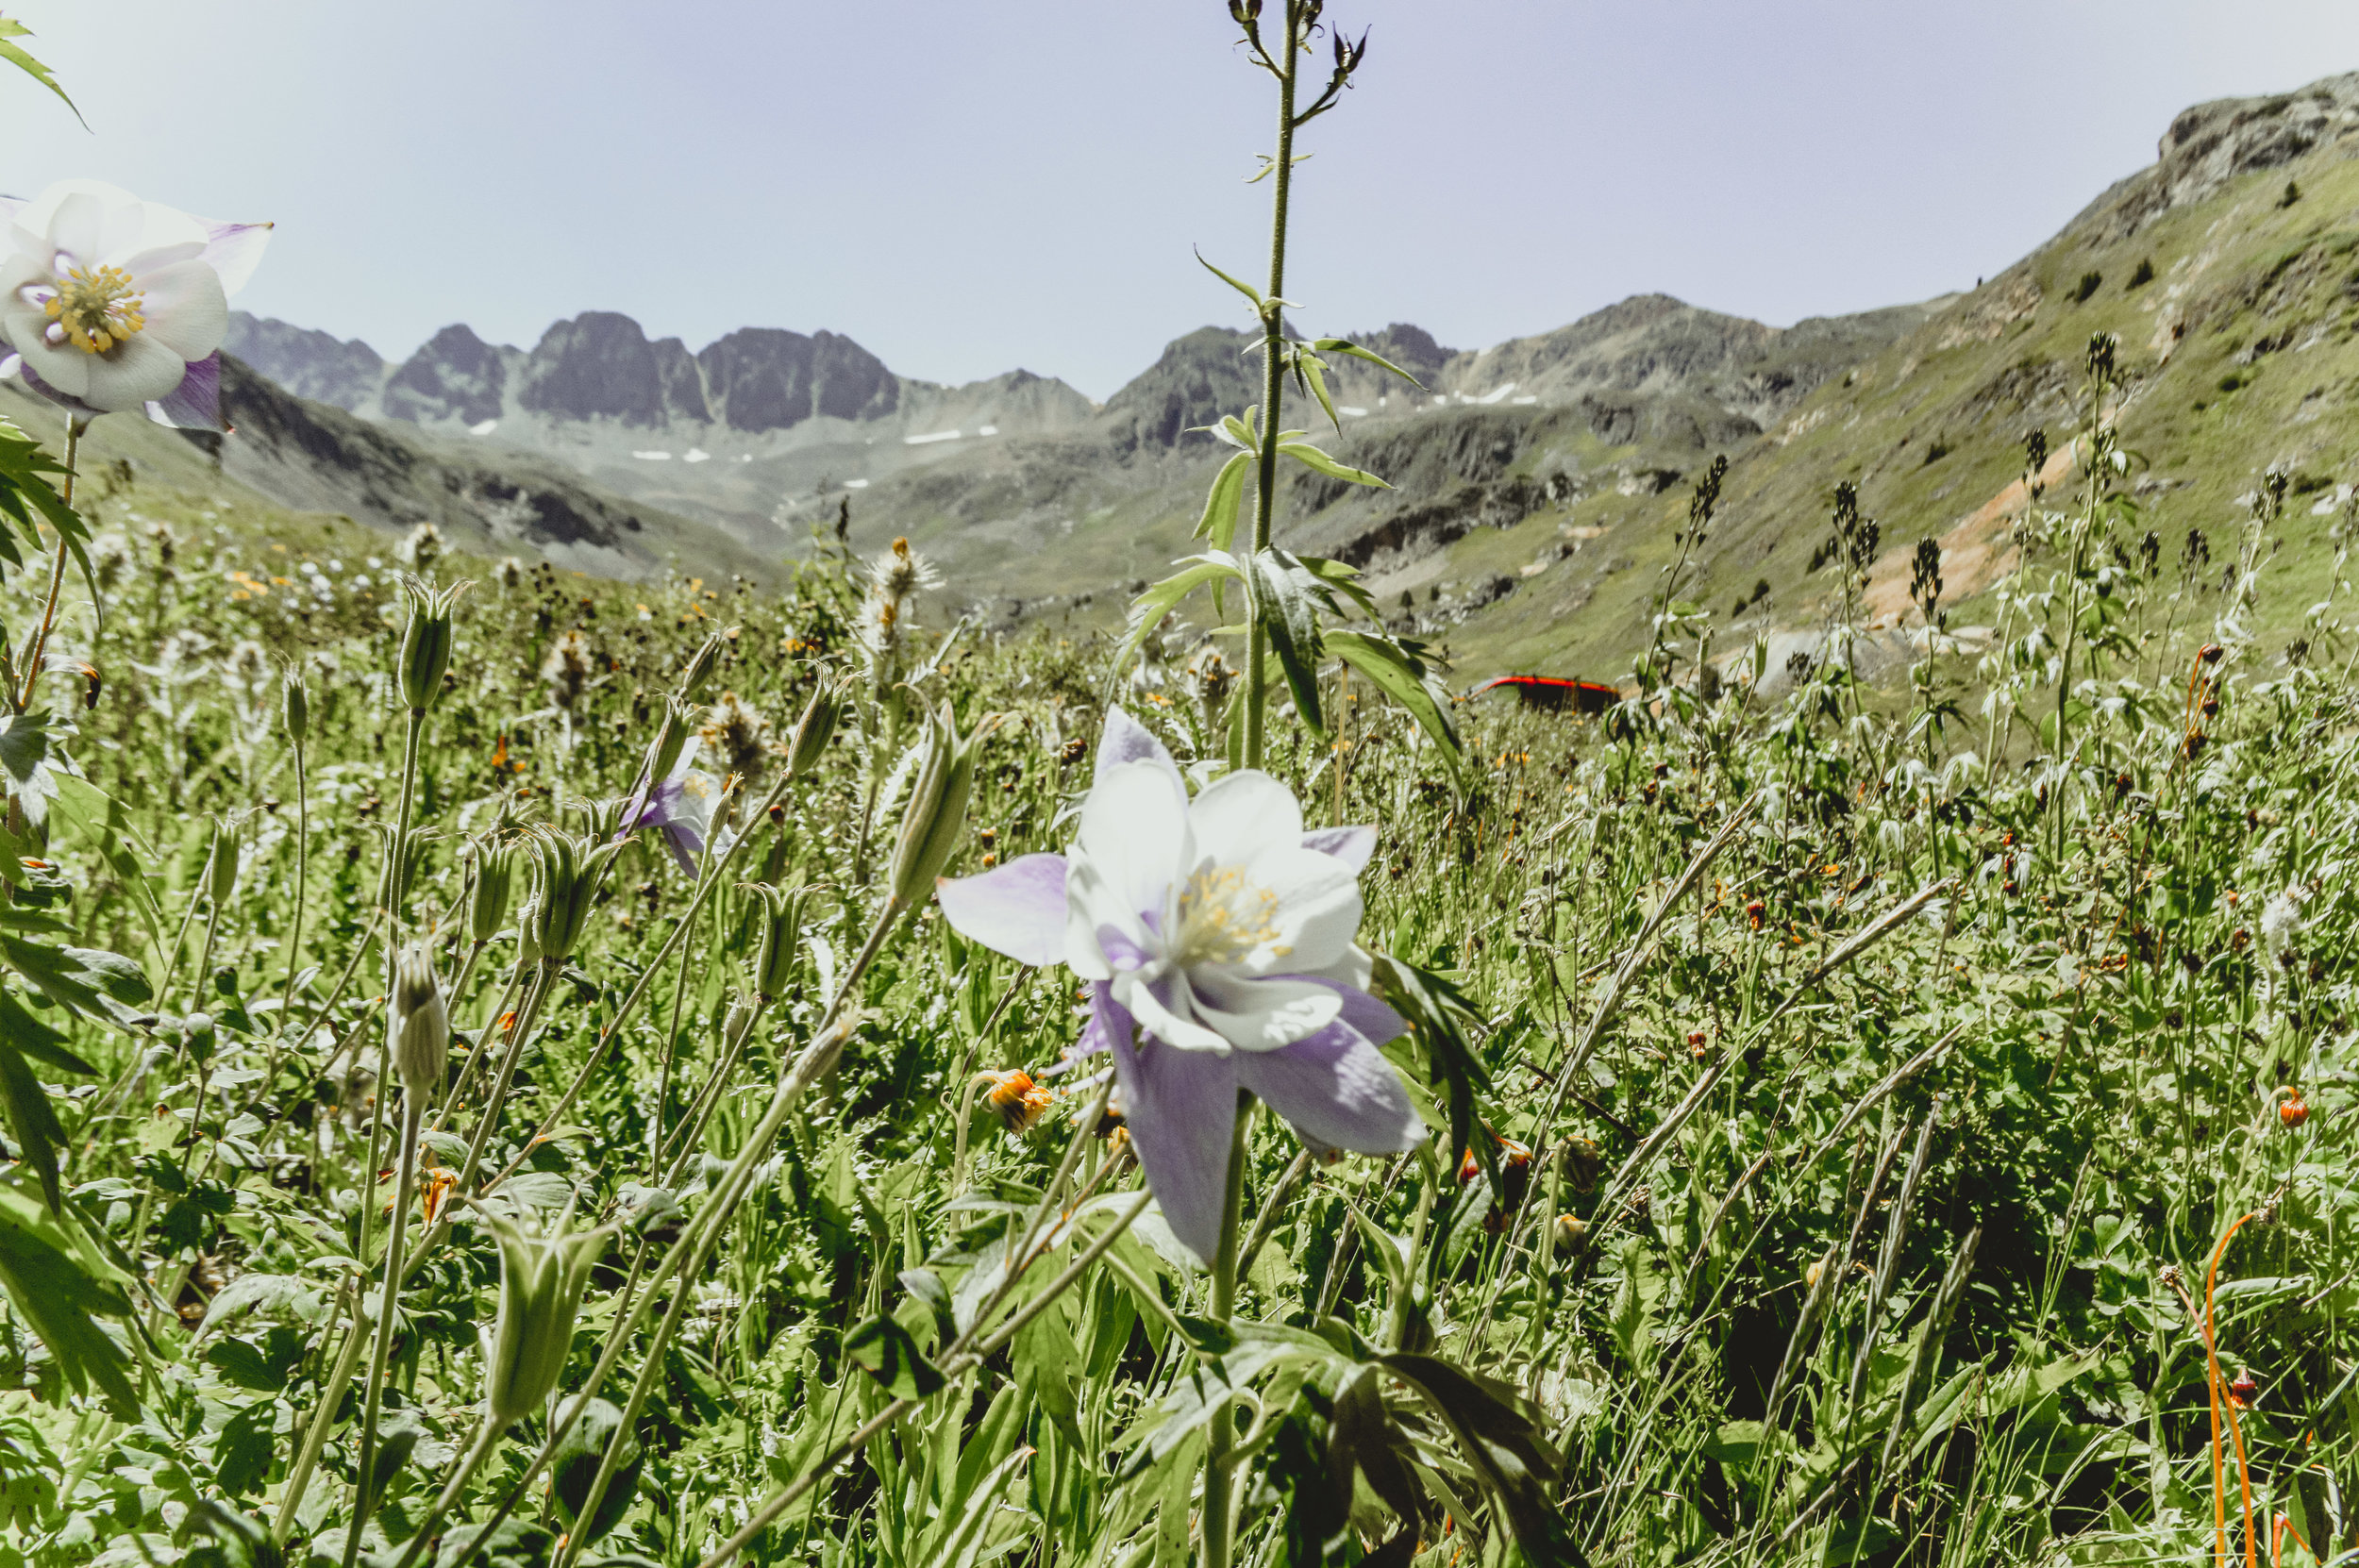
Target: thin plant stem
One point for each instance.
(412, 1113)
(1219, 1505)
(37, 648)
(1282, 62)
(302, 866)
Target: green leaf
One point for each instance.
(1343, 346)
(1225, 503)
(1311, 458)
(1338, 576)
(23, 490)
(1285, 595)
(241, 1454)
(1502, 1438)
(32, 1122)
(1149, 609)
(102, 821)
(59, 1285)
(1246, 289)
(16, 55)
(1399, 669)
(1309, 368)
(1437, 1014)
(94, 984)
(884, 1349)
(575, 1466)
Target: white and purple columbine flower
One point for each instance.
(681, 806)
(1218, 940)
(110, 302)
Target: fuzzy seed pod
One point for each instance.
(700, 668)
(420, 1026)
(541, 1278)
(936, 814)
(566, 873)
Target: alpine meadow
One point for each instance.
(565, 1006)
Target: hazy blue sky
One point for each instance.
(966, 186)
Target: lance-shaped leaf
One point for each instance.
(102, 821)
(1340, 577)
(1287, 600)
(1344, 345)
(61, 1286)
(1500, 1439)
(1246, 289)
(32, 1122)
(1311, 371)
(1149, 609)
(94, 984)
(25, 490)
(1401, 671)
(1225, 503)
(1437, 1014)
(15, 55)
(1311, 458)
(887, 1352)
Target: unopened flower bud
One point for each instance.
(699, 671)
(494, 883)
(937, 810)
(782, 917)
(298, 708)
(541, 1278)
(680, 724)
(814, 730)
(420, 1026)
(566, 873)
(221, 866)
(425, 641)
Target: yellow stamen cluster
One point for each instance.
(1222, 918)
(98, 308)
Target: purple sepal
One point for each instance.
(195, 403)
(1018, 908)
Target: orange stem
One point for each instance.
(2220, 1480)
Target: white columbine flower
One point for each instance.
(110, 302)
(1217, 936)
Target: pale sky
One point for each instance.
(968, 186)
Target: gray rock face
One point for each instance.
(600, 365)
(2212, 143)
(1199, 378)
(455, 376)
(763, 378)
(310, 364)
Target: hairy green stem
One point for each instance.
(1273, 387)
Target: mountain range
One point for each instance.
(1533, 482)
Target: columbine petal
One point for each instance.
(1242, 816)
(186, 310)
(1263, 1015)
(1125, 740)
(1018, 910)
(1337, 1089)
(1351, 845)
(1166, 1010)
(1180, 1108)
(1313, 909)
(1131, 844)
(235, 250)
(195, 403)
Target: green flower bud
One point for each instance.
(425, 641)
(936, 814)
(814, 730)
(541, 1278)
(679, 723)
(699, 671)
(494, 883)
(198, 1030)
(221, 866)
(781, 917)
(419, 1025)
(298, 708)
(566, 873)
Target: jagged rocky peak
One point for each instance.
(455, 376)
(766, 378)
(1199, 378)
(316, 365)
(600, 365)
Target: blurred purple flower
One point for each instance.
(1218, 939)
(681, 807)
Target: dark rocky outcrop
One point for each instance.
(1199, 378)
(600, 365)
(764, 379)
(455, 376)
